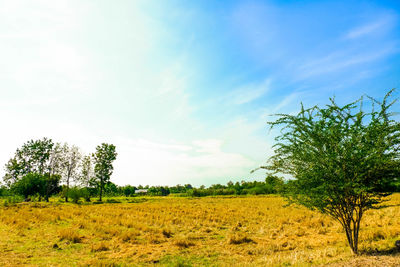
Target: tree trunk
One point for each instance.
(66, 191)
(101, 188)
(46, 197)
(351, 226)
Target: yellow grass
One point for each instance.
(238, 231)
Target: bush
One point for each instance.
(30, 184)
(85, 193)
(3, 191)
(75, 194)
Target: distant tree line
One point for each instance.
(41, 168)
(271, 185)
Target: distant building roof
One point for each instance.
(140, 191)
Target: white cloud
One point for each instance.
(162, 164)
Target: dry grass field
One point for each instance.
(172, 231)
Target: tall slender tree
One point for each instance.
(104, 157)
(72, 157)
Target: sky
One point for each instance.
(184, 88)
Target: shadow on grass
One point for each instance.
(386, 206)
(385, 252)
(138, 200)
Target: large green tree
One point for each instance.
(344, 159)
(39, 158)
(32, 157)
(36, 184)
(103, 168)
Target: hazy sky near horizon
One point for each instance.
(184, 88)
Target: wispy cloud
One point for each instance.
(248, 93)
(340, 61)
(369, 28)
(286, 101)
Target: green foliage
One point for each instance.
(344, 159)
(110, 189)
(33, 184)
(86, 194)
(75, 194)
(158, 191)
(272, 185)
(30, 184)
(128, 190)
(32, 157)
(52, 185)
(4, 191)
(104, 156)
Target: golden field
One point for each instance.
(174, 231)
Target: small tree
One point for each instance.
(87, 177)
(104, 156)
(344, 159)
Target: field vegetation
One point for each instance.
(178, 231)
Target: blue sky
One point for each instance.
(184, 88)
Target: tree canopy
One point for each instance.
(344, 159)
(32, 157)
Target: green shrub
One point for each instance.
(29, 185)
(85, 193)
(75, 194)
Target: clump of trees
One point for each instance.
(344, 159)
(40, 166)
(271, 185)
